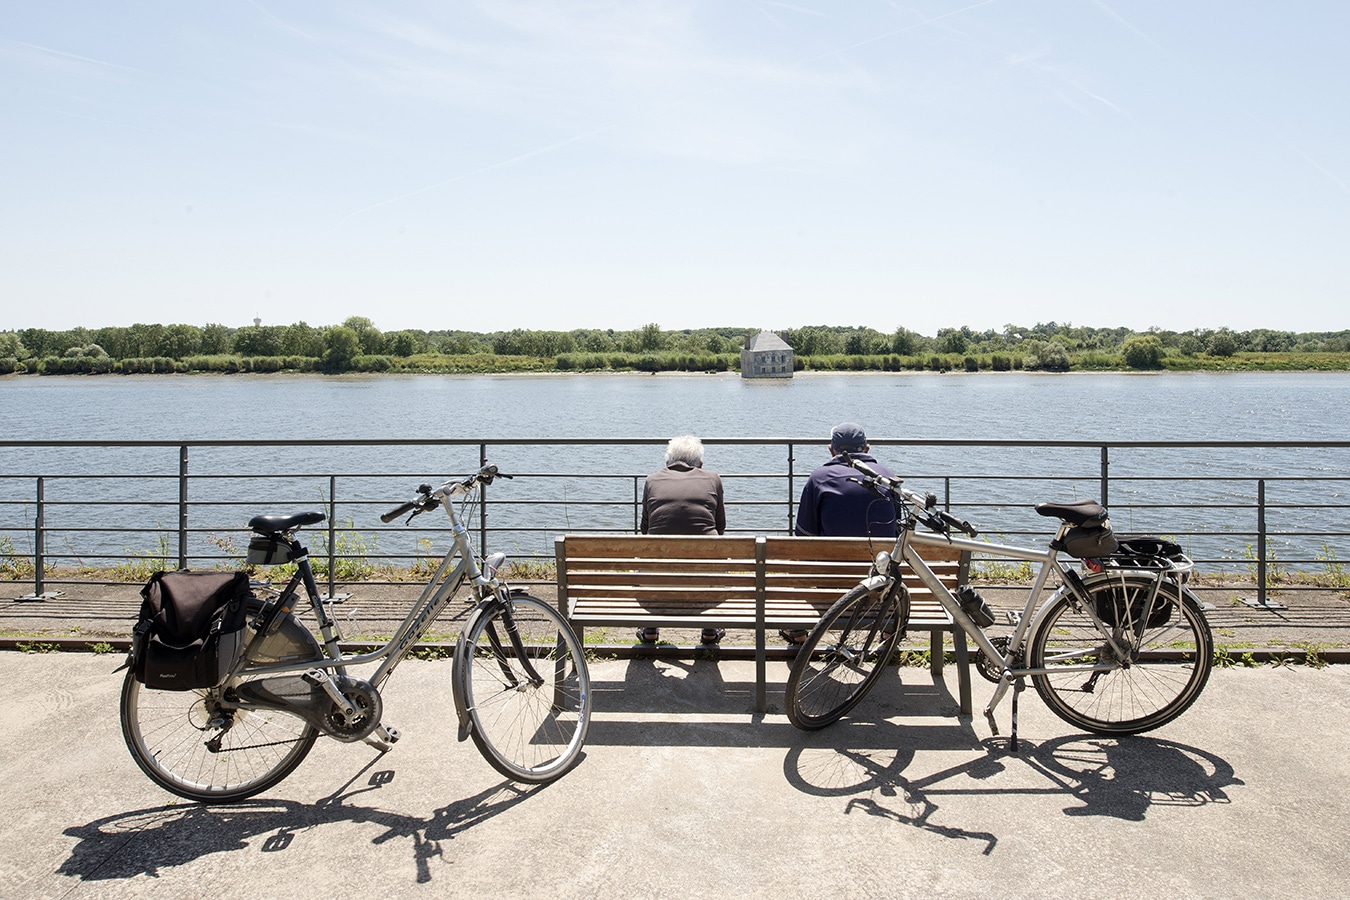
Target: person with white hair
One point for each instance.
(683, 498)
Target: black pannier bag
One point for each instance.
(1117, 606)
(191, 629)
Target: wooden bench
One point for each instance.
(727, 581)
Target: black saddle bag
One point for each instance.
(191, 629)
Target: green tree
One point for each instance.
(651, 339)
(301, 339)
(11, 347)
(403, 343)
(341, 346)
(258, 340)
(1143, 352)
(953, 340)
(906, 343)
(1051, 356)
(367, 335)
(179, 341)
(1222, 343)
(215, 339)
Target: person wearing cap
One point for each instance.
(683, 498)
(833, 505)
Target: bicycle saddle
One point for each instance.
(1079, 512)
(277, 524)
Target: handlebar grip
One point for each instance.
(959, 524)
(863, 468)
(395, 513)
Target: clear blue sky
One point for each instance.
(931, 163)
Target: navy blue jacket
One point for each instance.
(833, 506)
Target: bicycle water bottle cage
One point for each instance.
(975, 606)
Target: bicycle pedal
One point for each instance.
(383, 738)
(1014, 616)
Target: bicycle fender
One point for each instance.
(460, 673)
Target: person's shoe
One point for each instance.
(648, 635)
(795, 636)
(713, 636)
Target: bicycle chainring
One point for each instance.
(364, 719)
(992, 669)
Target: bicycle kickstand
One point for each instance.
(1018, 686)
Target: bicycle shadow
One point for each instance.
(1122, 778)
(148, 841)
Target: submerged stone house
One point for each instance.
(766, 355)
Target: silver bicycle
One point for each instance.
(1121, 651)
(519, 678)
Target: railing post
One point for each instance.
(637, 505)
(1261, 541)
(1106, 475)
(947, 493)
(39, 528)
(182, 505)
(332, 534)
(482, 504)
(791, 529)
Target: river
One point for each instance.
(892, 406)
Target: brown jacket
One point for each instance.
(682, 499)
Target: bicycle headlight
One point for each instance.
(882, 564)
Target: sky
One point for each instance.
(694, 163)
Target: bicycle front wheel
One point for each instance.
(1168, 647)
(844, 655)
(529, 711)
(198, 745)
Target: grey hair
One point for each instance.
(686, 449)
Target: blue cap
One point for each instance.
(848, 437)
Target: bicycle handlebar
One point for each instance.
(429, 499)
(924, 508)
(398, 511)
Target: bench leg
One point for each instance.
(962, 670)
(761, 673)
(935, 652)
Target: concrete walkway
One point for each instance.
(683, 792)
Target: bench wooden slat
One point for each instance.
(735, 581)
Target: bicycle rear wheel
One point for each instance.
(1170, 653)
(528, 714)
(844, 655)
(199, 746)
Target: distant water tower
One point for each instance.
(257, 321)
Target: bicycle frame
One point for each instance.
(432, 601)
(1027, 622)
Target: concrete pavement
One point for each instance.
(684, 792)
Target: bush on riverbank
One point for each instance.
(358, 346)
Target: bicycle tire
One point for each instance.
(529, 731)
(169, 733)
(1169, 662)
(844, 655)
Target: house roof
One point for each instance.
(767, 340)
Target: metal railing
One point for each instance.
(1264, 507)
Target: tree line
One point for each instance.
(357, 345)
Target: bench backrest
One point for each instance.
(670, 575)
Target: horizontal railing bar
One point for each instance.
(813, 441)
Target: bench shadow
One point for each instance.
(865, 756)
(659, 691)
(148, 841)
